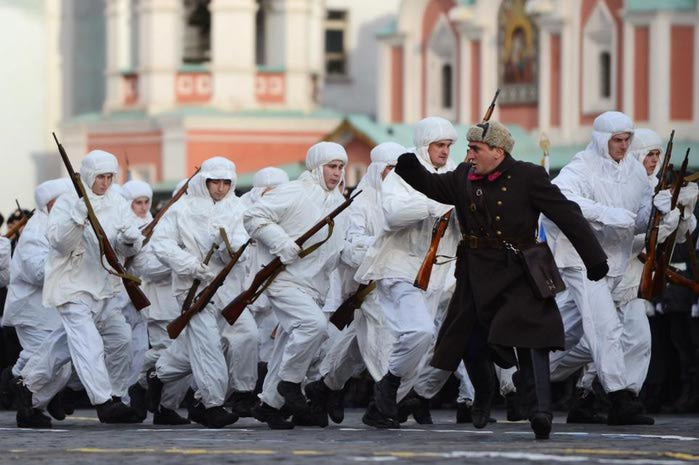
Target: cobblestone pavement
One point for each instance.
(81, 439)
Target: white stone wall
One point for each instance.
(358, 92)
(23, 96)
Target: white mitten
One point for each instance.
(129, 234)
(668, 225)
(688, 194)
(663, 200)
(687, 225)
(203, 273)
(289, 253)
(79, 213)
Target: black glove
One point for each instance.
(597, 272)
(407, 162)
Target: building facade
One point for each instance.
(559, 64)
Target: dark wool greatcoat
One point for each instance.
(491, 287)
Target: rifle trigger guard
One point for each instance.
(448, 258)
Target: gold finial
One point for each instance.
(544, 143)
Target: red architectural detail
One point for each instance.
(193, 87)
(641, 93)
(130, 83)
(476, 80)
(555, 102)
(250, 150)
(525, 115)
(141, 148)
(434, 9)
(682, 73)
(615, 7)
(358, 151)
(397, 84)
(270, 87)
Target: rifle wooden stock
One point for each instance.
(646, 287)
(491, 108)
(176, 326)
(265, 276)
(673, 275)
(422, 280)
(19, 224)
(131, 283)
(344, 314)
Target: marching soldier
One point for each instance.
(296, 295)
(393, 261)
(182, 241)
(94, 334)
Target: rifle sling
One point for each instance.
(309, 250)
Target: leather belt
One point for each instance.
(481, 242)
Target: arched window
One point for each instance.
(599, 61)
(260, 33)
(605, 78)
(441, 60)
(197, 32)
(447, 79)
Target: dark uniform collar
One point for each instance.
(507, 163)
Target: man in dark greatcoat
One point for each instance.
(494, 309)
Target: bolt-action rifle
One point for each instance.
(266, 275)
(645, 288)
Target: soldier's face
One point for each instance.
(218, 188)
(102, 183)
(483, 158)
(332, 173)
(651, 161)
(618, 145)
(386, 170)
(439, 152)
(140, 206)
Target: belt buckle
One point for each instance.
(472, 242)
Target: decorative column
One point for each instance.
(233, 56)
(290, 48)
(659, 79)
(550, 28)
(118, 57)
(160, 29)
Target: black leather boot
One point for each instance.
(272, 416)
(421, 412)
(115, 411)
(293, 397)
(373, 417)
(138, 393)
(217, 417)
(27, 416)
(55, 407)
(582, 409)
(534, 364)
(385, 393)
(242, 403)
(626, 410)
(155, 390)
(483, 378)
(166, 416)
(463, 413)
